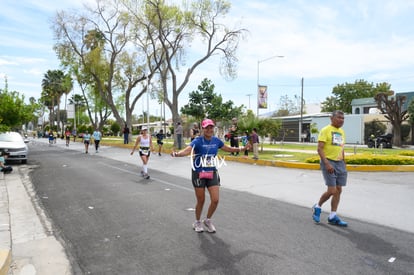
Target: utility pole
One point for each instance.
(301, 112)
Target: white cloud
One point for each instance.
(4, 61)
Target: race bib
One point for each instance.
(337, 139)
(209, 162)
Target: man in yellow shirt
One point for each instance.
(331, 141)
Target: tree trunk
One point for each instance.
(412, 133)
(397, 135)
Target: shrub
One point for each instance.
(372, 159)
(407, 153)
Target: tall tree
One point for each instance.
(288, 106)
(392, 108)
(79, 105)
(175, 28)
(206, 103)
(138, 37)
(13, 111)
(101, 47)
(343, 94)
(55, 84)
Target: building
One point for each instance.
(354, 128)
(364, 110)
(363, 106)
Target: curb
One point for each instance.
(5, 234)
(315, 166)
(302, 165)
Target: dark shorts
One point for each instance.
(6, 169)
(339, 177)
(203, 183)
(86, 142)
(159, 142)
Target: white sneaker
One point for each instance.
(209, 225)
(198, 227)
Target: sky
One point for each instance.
(324, 42)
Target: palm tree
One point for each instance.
(79, 102)
(54, 84)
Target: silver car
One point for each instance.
(14, 143)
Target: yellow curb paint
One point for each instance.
(5, 261)
(315, 166)
(381, 168)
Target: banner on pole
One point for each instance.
(70, 110)
(262, 97)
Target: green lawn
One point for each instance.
(297, 152)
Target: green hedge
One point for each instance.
(372, 159)
(407, 153)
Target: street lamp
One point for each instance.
(249, 95)
(258, 76)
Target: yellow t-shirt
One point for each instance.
(334, 139)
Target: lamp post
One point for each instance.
(149, 75)
(148, 96)
(258, 76)
(249, 95)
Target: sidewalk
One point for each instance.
(5, 234)
(28, 245)
(372, 197)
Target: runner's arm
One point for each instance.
(136, 144)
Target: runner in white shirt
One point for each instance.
(145, 144)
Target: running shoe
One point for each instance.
(316, 213)
(209, 225)
(146, 176)
(142, 173)
(198, 227)
(337, 221)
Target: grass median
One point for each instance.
(299, 152)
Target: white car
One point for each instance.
(14, 143)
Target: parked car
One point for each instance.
(15, 144)
(384, 141)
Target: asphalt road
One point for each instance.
(112, 221)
